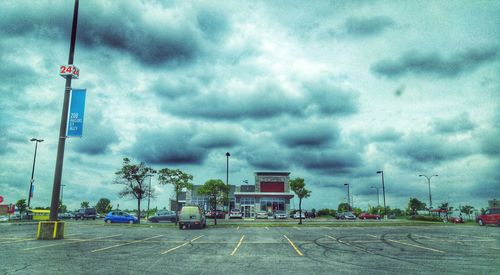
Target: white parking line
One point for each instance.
(237, 246)
(118, 245)
(71, 242)
(238, 228)
(297, 228)
(418, 246)
(267, 228)
(184, 244)
(371, 235)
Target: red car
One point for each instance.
(364, 216)
(455, 219)
(492, 216)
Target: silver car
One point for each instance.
(280, 214)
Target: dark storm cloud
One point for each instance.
(434, 64)
(97, 136)
(387, 135)
(458, 124)
(264, 100)
(182, 144)
(269, 157)
(430, 149)
(336, 161)
(363, 27)
(308, 135)
(490, 142)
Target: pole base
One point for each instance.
(50, 230)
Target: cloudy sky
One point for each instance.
(331, 91)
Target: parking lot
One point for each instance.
(97, 248)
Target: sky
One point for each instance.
(330, 91)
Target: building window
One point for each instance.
(247, 201)
(272, 204)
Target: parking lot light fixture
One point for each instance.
(348, 197)
(30, 194)
(383, 192)
(378, 198)
(429, 182)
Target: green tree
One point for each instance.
(467, 210)
(21, 205)
(216, 190)
(132, 176)
(179, 180)
(62, 208)
(343, 207)
(414, 204)
(103, 205)
(299, 187)
(84, 204)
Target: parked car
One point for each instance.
(235, 213)
(365, 216)
(280, 214)
(192, 216)
(492, 216)
(67, 215)
(262, 215)
(455, 219)
(120, 217)
(163, 216)
(4, 218)
(86, 214)
(298, 215)
(345, 216)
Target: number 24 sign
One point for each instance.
(71, 70)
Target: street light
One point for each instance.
(348, 197)
(378, 198)
(429, 182)
(30, 194)
(227, 182)
(383, 193)
(149, 193)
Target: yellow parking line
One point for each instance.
(184, 244)
(118, 245)
(293, 245)
(237, 246)
(56, 244)
(418, 246)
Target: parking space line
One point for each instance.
(294, 246)
(418, 246)
(184, 244)
(267, 228)
(56, 244)
(297, 228)
(237, 246)
(238, 228)
(118, 245)
(17, 240)
(371, 235)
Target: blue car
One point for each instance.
(121, 217)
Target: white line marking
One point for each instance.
(237, 246)
(419, 246)
(118, 245)
(184, 244)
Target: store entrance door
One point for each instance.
(248, 211)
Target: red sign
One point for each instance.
(71, 70)
(1, 199)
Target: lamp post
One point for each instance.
(149, 193)
(378, 198)
(30, 194)
(56, 188)
(348, 197)
(383, 192)
(227, 182)
(429, 182)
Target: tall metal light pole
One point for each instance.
(227, 182)
(64, 116)
(348, 197)
(30, 194)
(378, 198)
(429, 182)
(383, 193)
(149, 193)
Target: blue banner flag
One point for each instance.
(76, 112)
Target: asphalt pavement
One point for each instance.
(96, 248)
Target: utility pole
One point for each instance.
(64, 116)
(33, 171)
